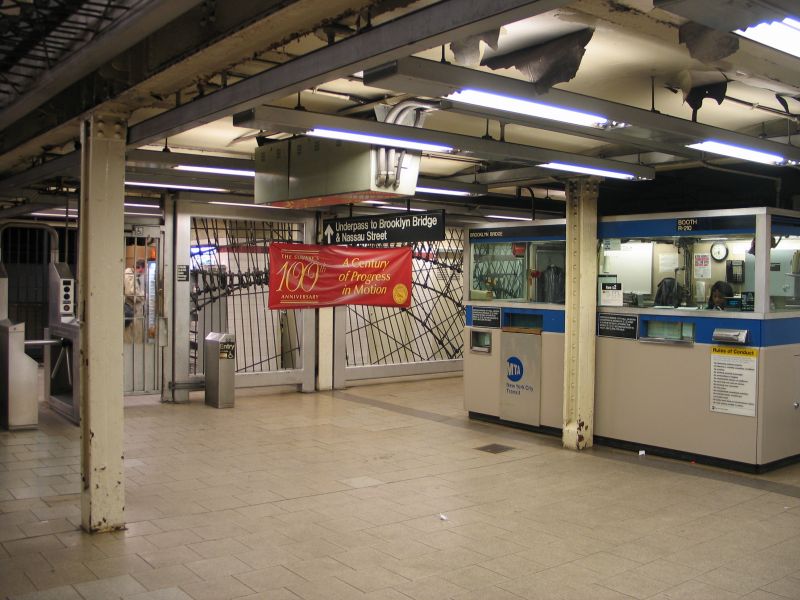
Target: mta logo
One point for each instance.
(515, 369)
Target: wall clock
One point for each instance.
(719, 251)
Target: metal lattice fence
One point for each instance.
(431, 328)
(230, 291)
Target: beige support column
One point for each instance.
(580, 313)
(100, 277)
(325, 349)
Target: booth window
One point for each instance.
(518, 271)
(677, 271)
(784, 273)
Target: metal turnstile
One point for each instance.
(61, 373)
(62, 352)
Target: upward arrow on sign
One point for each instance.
(328, 233)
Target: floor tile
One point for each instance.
(325, 589)
(107, 589)
(64, 592)
(221, 588)
(270, 578)
(297, 496)
(215, 548)
(371, 579)
(119, 565)
(172, 593)
(212, 568)
(635, 585)
(177, 555)
(62, 574)
(691, 590)
(788, 587)
(166, 577)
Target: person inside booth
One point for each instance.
(720, 292)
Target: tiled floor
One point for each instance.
(379, 493)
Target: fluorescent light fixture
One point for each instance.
(738, 152)
(378, 140)
(508, 218)
(526, 107)
(216, 170)
(403, 208)
(137, 205)
(175, 186)
(52, 215)
(248, 205)
(57, 210)
(430, 190)
(586, 170)
(781, 35)
(375, 202)
(143, 214)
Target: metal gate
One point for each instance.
(226, 289)
(425, 338)
(144, 334)
(25, 254)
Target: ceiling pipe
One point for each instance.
(704, 164)
(776, 180)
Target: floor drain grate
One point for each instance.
(494, 448)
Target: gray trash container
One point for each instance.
(220, 357)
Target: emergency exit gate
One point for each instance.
(373, 342)
(144, 334)
(221, 268)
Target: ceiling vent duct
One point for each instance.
(305, 172)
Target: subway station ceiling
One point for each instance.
(211, 81)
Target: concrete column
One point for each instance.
(325, 349)
(168, 254)
(100, 276)
(580, 313)
(340, 348)
(181, 300)
(308, 346)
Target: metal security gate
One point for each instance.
(425, 338)
(225, 284)
(144, 333)
(229, 275)
(25, 254)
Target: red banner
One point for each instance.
(306, 276)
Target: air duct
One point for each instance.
(306, 172)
